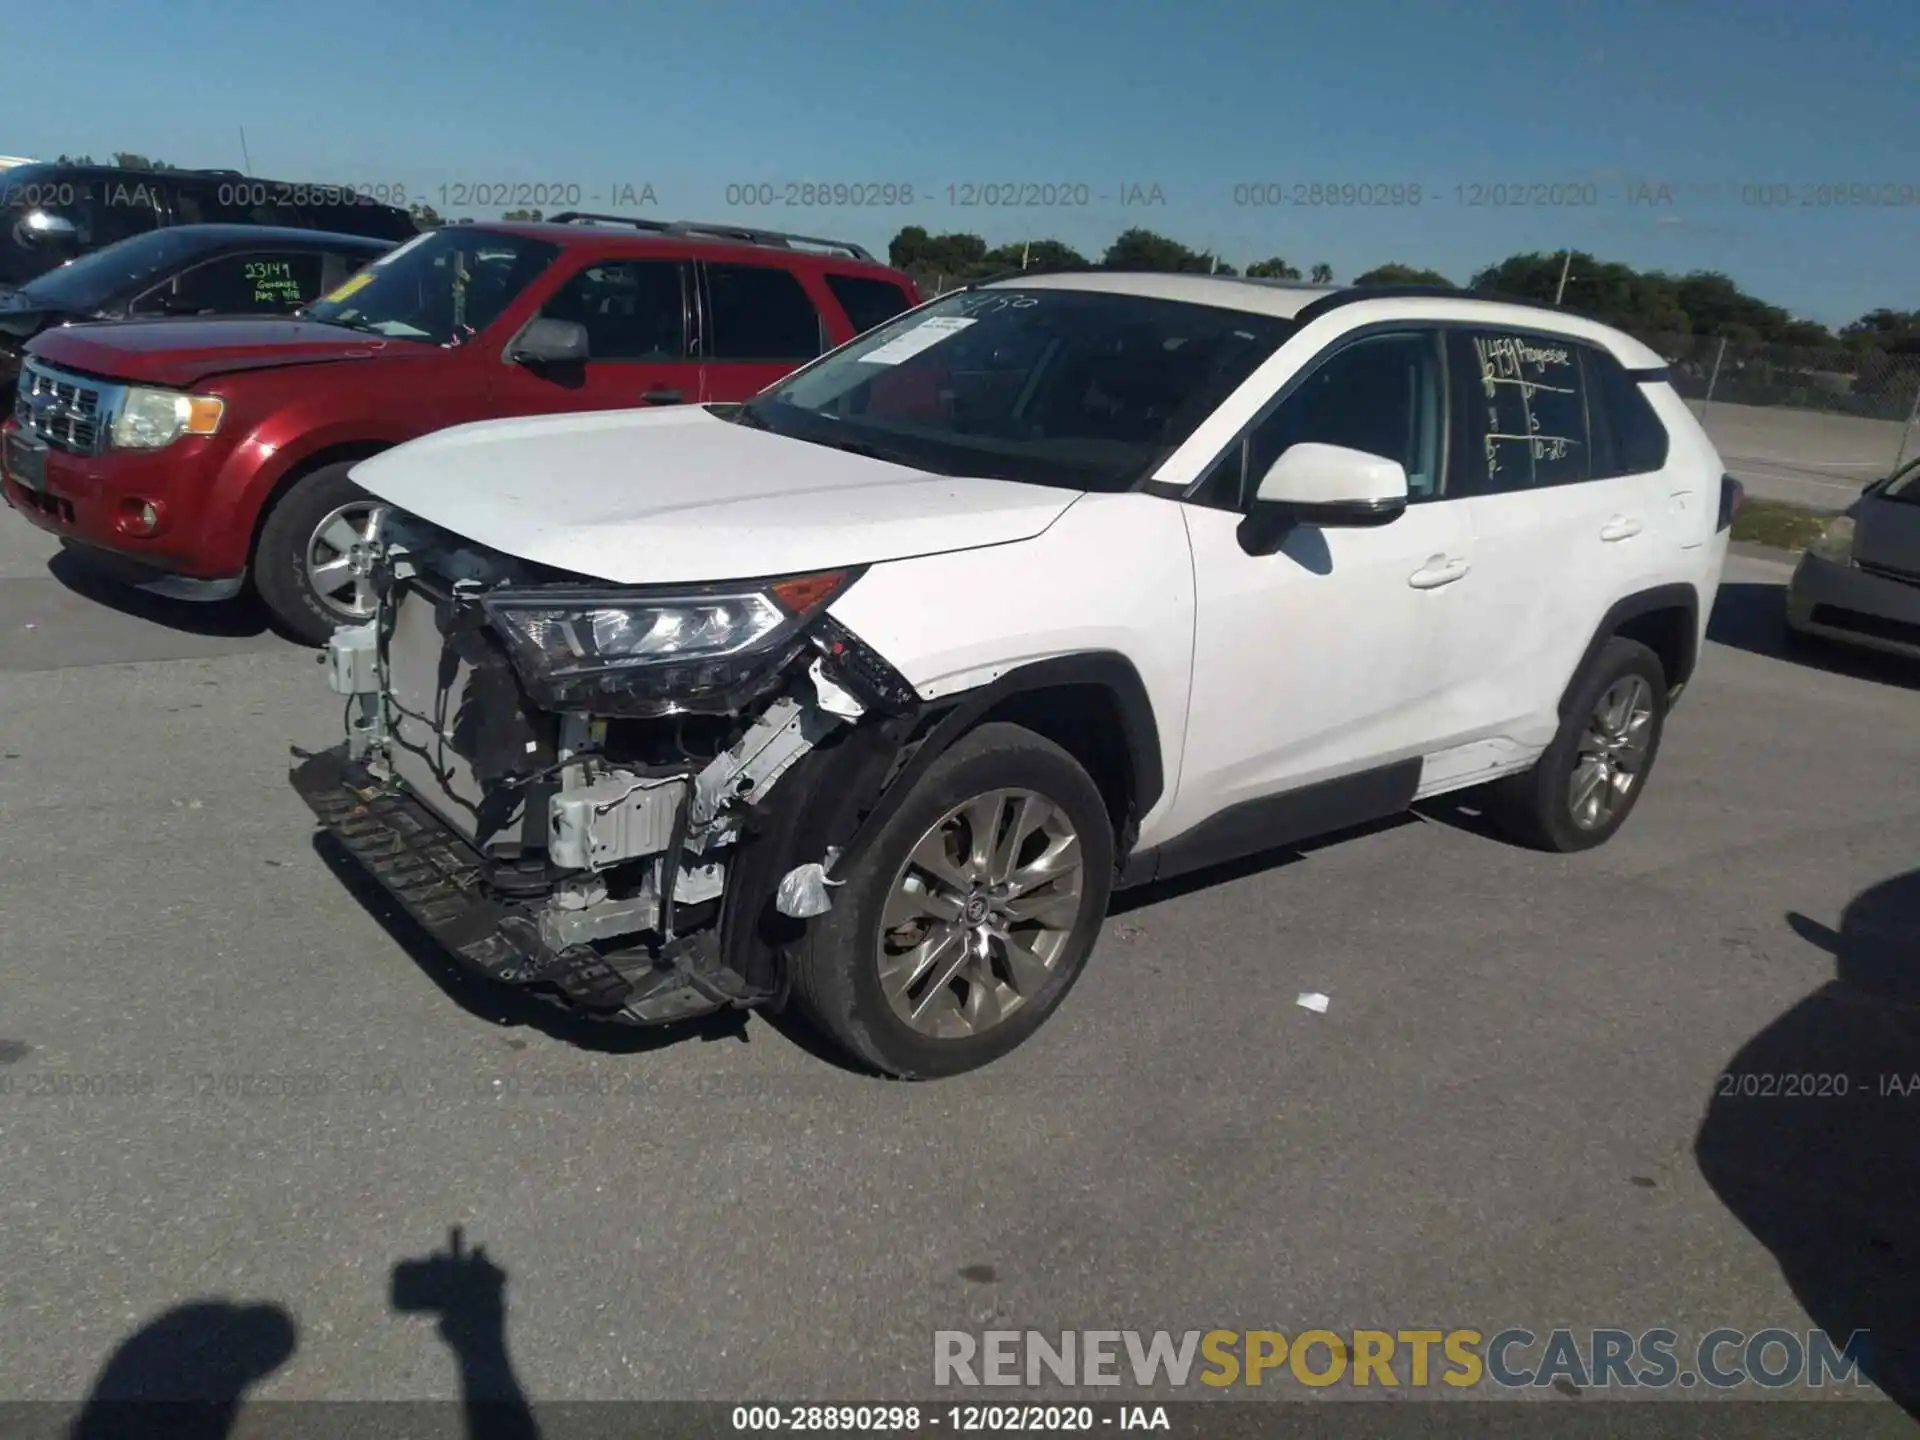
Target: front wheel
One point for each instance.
(970, 917)
(305, 562)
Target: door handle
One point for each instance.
(663, 397)
(1621, 527)
(1438, 571)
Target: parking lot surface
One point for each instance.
(223, 1078)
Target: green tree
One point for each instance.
(1139, 249)
(1274, 269)
(1395, 273)
(952, 254)
(425, 217)
(75, 160)
(128, 160)
(1033, 254)
(519, 214)
(1322, 274)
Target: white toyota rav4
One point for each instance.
(869, 693)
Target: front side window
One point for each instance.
(1076, 388)
(442, 288)
(631, 309)
(256, 283)
(1383, 394)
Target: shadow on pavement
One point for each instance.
(1752, 616)
(185, 1374)
(467, 1293)
(1812, 1136)
(240, 619)
(501, 1004)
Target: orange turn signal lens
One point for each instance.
(203, 414)
(804, 593)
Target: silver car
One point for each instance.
(1859, 583)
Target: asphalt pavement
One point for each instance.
(225, 1081)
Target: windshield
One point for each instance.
(441, 287)
(91, 281)
(1054, 387)
(1904, 486)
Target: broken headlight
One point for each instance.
(628, 652)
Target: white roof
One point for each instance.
(1287, 298)
(1262, 297)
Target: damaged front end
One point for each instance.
(625, 800)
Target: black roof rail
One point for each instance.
(1353, 294)
(749, 234)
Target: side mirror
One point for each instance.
(1331, 485)
(550, 342)
(38, 226)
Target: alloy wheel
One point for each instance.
(980, 913)
(1612, 752)
(336, 562)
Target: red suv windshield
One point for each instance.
(440, 288)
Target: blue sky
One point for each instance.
(1194, 98)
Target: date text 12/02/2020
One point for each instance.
(962, 195)
(1816, 1085)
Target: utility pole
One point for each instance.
(1561, 289)
(1026, 249)
(245, 158)
(1913, 416)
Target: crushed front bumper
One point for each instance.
(441, 882)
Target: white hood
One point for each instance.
(677, 496)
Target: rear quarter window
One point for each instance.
(868, 302)
(1629, 438)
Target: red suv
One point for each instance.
(194, 457)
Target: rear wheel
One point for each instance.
(969, 919)
(304, 565)
(1588, 780)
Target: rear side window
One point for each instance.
(759, 313)
(1523, 412)
(867, 302)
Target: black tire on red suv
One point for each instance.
(302, 559)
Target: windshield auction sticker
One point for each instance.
(923, 336)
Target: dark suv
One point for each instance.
(49, 214)
(181, 270)
(197, 456)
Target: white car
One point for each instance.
(870, 692)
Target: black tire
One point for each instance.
(1533, 808)
(280, 554)
(836, 968)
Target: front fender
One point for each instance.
(279, 446)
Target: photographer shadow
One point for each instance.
(1812, 1137)
(185, 1375)
(467, 1293)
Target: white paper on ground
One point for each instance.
(1313, 1000)
(923, 336)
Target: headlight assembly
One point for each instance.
(640, 653)
(149, 419)
(1835, 543)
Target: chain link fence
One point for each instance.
(1875, 387)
